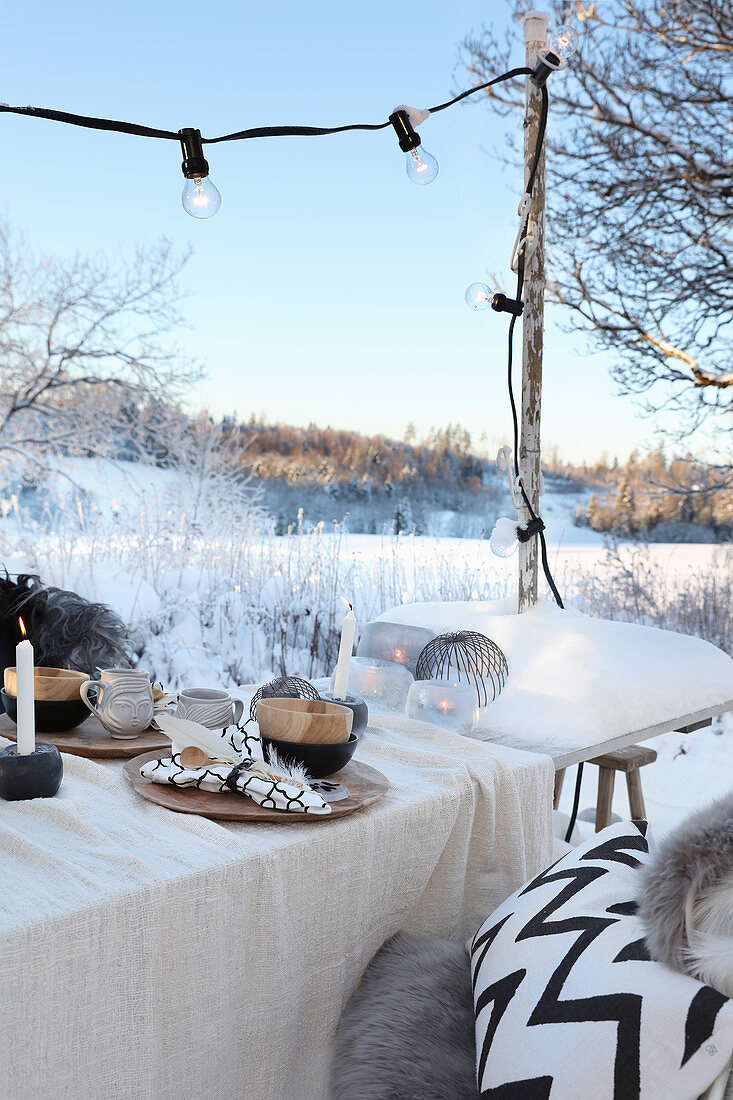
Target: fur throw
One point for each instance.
(408, 1031)
(66, 630)
(686, 901)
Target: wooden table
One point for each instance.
(564, 756)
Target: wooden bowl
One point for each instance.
(310, 720)
(51, 684)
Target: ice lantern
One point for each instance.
(382, 684)
(444, 703)
(396, 642)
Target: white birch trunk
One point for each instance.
(535, 31)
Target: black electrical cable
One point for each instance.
(576, 800)
(241, 135)
(89, 122)
(480, 87)
(525, 498)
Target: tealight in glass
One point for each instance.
(445, 703)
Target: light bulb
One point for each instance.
(563, 42)
(422, 167)
(478, 296)
(503, 540)
(200, 198)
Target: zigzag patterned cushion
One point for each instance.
(569, 1005)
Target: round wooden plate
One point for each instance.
(365, 785)
(93, 741)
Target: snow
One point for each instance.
(576, 681)
(225, 605)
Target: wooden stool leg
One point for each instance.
(606, 777)
(559, 776)
(636, 797)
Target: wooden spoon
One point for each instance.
(193, 757)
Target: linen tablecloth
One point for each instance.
(149, 955)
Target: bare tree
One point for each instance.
(88, 363)
(640, 184)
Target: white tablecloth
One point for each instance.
(148, 955)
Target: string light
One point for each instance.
(503, 540)
(422, 167)
(563, 42)
(478, 297)
(200, 198)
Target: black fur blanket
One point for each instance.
(66, 630)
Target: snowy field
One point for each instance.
(212, 597)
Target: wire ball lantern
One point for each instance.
(468, 657)
(284, 687)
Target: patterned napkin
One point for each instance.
(272, 788)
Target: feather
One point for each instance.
(283, 770)
(183, 733)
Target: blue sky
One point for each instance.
(328, 288)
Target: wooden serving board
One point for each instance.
(364, 783)
(93, 741)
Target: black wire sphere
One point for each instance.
(466, 656)
(284, 687)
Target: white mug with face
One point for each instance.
(124, 703)
(210, 707)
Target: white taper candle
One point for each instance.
(26, 716)
(346, 646)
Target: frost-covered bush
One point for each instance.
(213, 595)
(634, 586)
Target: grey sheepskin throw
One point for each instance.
(686, 900)
(408, 1030)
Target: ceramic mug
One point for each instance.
(124, 703)
(210, 707)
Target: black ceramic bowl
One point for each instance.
(318, 760)
(52, 715)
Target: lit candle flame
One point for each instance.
(349, 605)
(23, 630)
(398, 655)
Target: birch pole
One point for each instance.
(535, 37)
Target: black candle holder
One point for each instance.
(356, 705)
(34, 775)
